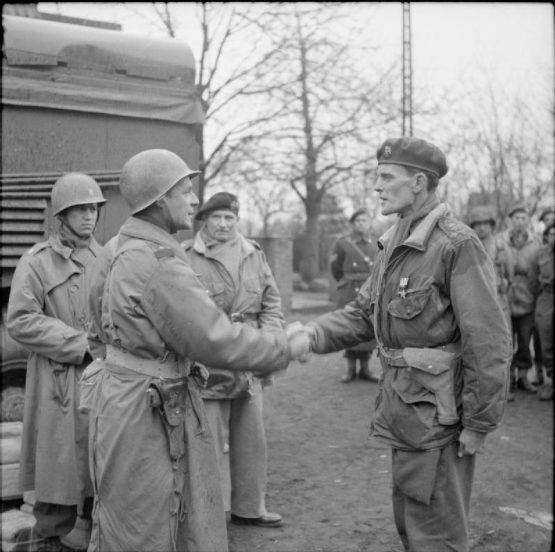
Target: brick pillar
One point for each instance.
(279, 254)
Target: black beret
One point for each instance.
(413, 152)
(357, 214)
(518, 208)
(221, 200)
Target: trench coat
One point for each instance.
(48, 314)
(148, 304)
(351, 264)
(253, 296)
(432, 304)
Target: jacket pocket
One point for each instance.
(410, 306)
(254, 291)
(435, 370)
(60, 383)
(216, 292)
(88, 385)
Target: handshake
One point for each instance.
(300, 339)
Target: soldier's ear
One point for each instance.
(420, 182)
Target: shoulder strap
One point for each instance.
(365, 257)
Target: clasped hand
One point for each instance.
(300, 339)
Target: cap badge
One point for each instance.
(387, 151)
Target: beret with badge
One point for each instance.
(413, 152)
(219, 201)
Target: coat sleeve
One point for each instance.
(336, 261)
(28, 324)
(176, 303)
(342, 329)
(271, 315)
(485, 337)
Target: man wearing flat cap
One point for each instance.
(237, 277)
(431, 304)
(350, 264)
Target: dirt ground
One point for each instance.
(332, 484)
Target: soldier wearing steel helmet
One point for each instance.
(482, 220)
(444, 344)
(48, 314)
(153, 461)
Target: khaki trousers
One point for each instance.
(441, 525)
(239, 422)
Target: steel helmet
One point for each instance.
(148, 175)
(481, 213)
(75, 189)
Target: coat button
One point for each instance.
(74, 287)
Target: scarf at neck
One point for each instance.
(70, 239)
(405, 225)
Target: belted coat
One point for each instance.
(252, 296)
(149, 305)
(431, 302)
(48, 315)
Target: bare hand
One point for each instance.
(471, 442)
(299, 341)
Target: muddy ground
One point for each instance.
(332, 484)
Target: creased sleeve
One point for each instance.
(486, 343)
(28, 324)
(179, 308)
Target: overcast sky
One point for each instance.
(511, 42)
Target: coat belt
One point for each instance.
(169, 367)
(396, 357)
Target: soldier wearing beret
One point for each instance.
(431, 303)
(237, 277)
(524, 246)
(350, 264)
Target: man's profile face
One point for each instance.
(519, 221)
(221, 225)
(395, 190)
(181, 203)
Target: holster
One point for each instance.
(170, 396)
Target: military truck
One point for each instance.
(84, 97)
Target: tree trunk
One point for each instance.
(309, 264)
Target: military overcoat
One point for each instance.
(149, 305)
(48, 314)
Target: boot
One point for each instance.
(78, 538)
(523, 384)
(351, 371)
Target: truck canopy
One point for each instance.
(72, 67)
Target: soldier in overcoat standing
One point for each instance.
(153, 460)
(444, 345)
(351, 262)
(239, 280)
(48, 314)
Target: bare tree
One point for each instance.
(324, 109)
